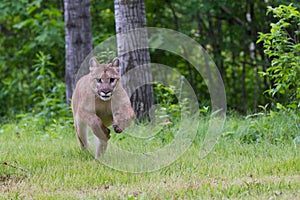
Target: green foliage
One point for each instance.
(103, 26)
(27, 76)
(40, 92)
(169, 104)
(226, 35)
(28, 27)
(47, 92)
(166, 98)
(105, 56)
(282, 45)
(274, 128)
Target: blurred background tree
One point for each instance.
(78, 39)
(130, 15)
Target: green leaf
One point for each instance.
(23, 24)
(280, 106)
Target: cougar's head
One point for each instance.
(104, 78)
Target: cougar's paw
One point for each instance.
(106, 132)
(117, 128)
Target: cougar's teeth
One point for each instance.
(105, 96)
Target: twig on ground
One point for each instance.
(13, 166)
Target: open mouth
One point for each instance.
(105, 96)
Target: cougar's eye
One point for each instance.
(99, 80)
(111, 80)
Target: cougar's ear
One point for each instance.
(116, 64)
(93, 63)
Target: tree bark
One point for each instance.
(244, 89)
(130, 15)
(78, 39)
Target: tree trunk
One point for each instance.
(130, 15)
(78, 39)
(244, 90)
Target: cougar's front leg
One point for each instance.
(81, 132)
(100, 131)
(123, 117)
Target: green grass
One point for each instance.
(255, 158)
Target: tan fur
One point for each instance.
(98, 101)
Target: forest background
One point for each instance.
(32, 51)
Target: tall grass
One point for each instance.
(256, 158)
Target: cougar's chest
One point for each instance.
(104, 112)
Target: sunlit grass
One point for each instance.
(49, 165)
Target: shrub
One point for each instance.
(39, 93)
(282, 46)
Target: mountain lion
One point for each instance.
(98, 101)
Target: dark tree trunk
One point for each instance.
(130, 15)
(78, 39)
(244, 91)
(255, 59)
(185, 52)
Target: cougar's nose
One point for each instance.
(106, 91)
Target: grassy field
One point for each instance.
(256, 158)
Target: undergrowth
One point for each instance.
(256, 157)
